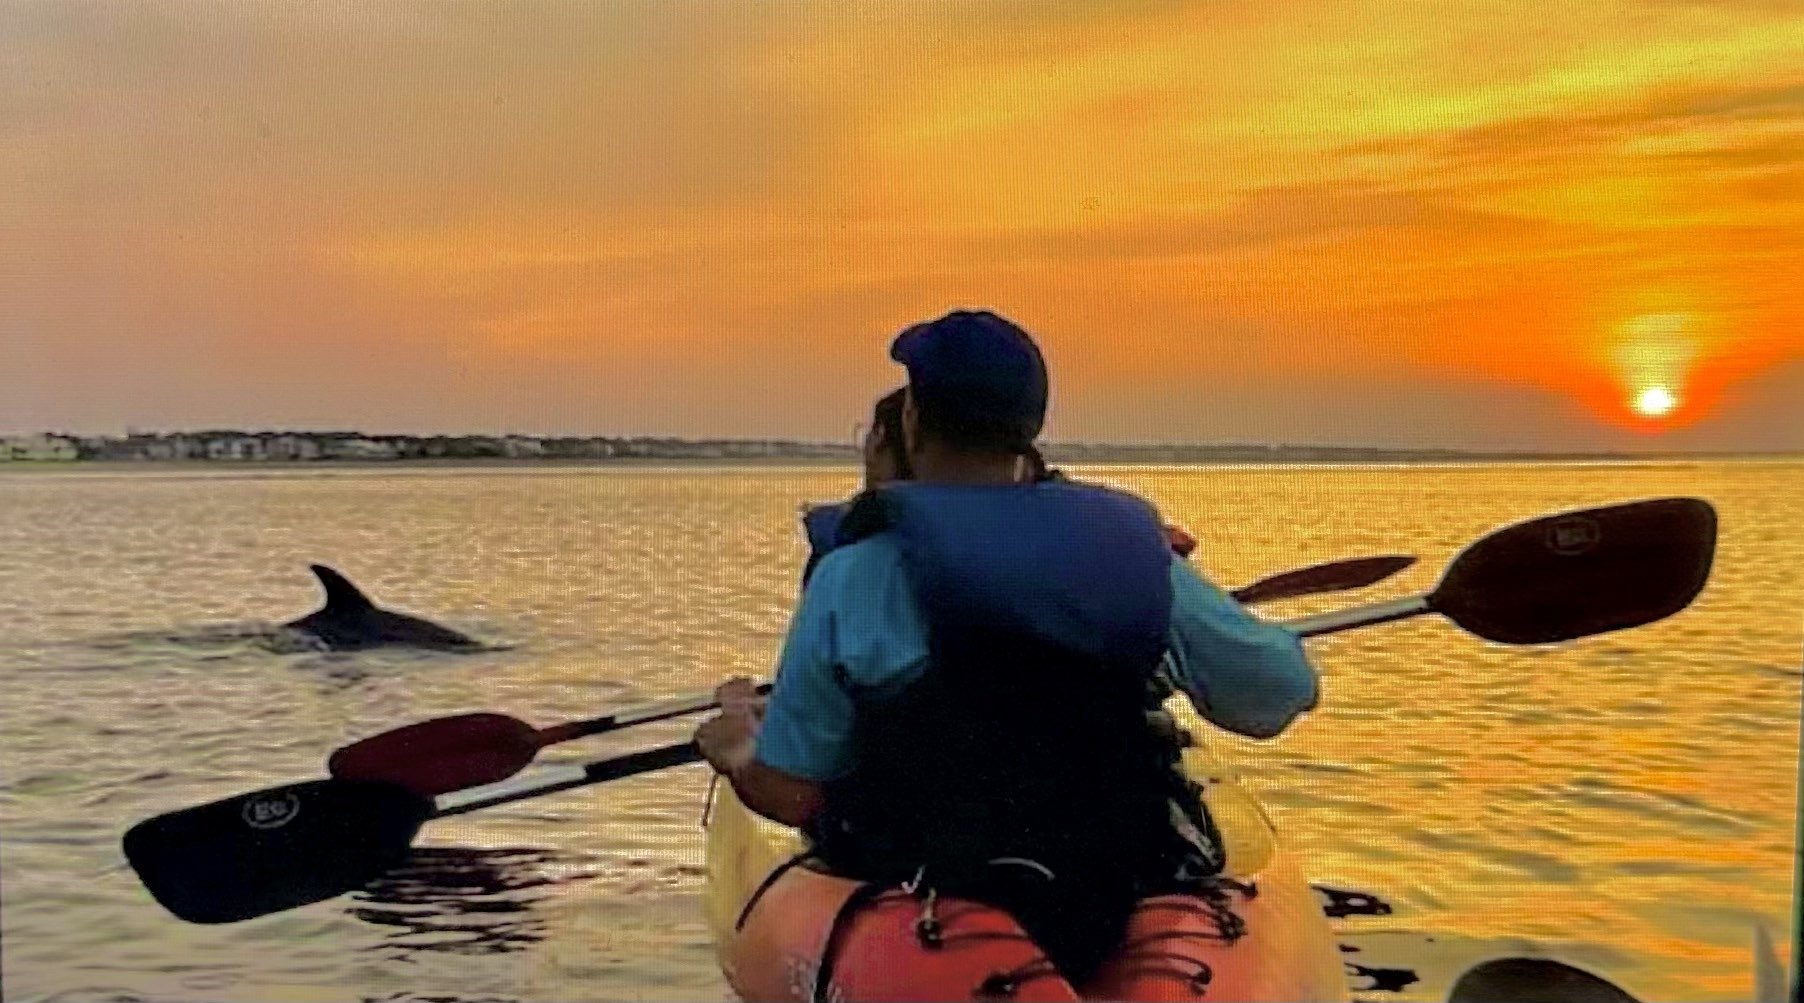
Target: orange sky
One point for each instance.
(1470, 224)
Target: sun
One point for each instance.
(1655, 355)
(1656, 401)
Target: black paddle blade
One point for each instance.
(274, 849)
(1582, 573)
(1533, 980)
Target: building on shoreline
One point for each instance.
(236, 447)
(39, 448)
(291, 448)
(359, 448)
(231, 446)
(519, 447)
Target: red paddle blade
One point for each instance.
(443, 755)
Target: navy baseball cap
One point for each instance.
(977, 368)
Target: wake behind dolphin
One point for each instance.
(349, 621)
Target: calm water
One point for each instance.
(1625, 803)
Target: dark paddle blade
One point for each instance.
(444, 754)
(1532, 980)
(273, 849)
(1335, 576)
(1578, 574)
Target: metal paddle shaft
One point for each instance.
(561, 778)
(1563, 576)
(469, 750)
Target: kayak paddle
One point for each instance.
(467, 750)
(283, 847)
(1533, 980)
(1562, 576)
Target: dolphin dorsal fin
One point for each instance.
(341, 595)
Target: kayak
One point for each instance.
(1174, 949)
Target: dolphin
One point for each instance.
(350, 621)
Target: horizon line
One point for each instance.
(1049, 446)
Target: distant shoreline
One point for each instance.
(431, 463)
(231, 449)
(851, 463)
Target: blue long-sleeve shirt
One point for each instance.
(859, 626)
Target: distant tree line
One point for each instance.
(239, 446)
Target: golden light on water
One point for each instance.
(1656, 401)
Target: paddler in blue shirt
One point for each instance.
(961, 698)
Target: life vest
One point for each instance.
(1019, 769)
(820, 523)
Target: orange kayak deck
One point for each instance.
(1173, 950)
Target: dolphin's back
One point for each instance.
(349, 620)
(399, 628)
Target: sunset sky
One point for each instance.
(1474, 224)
